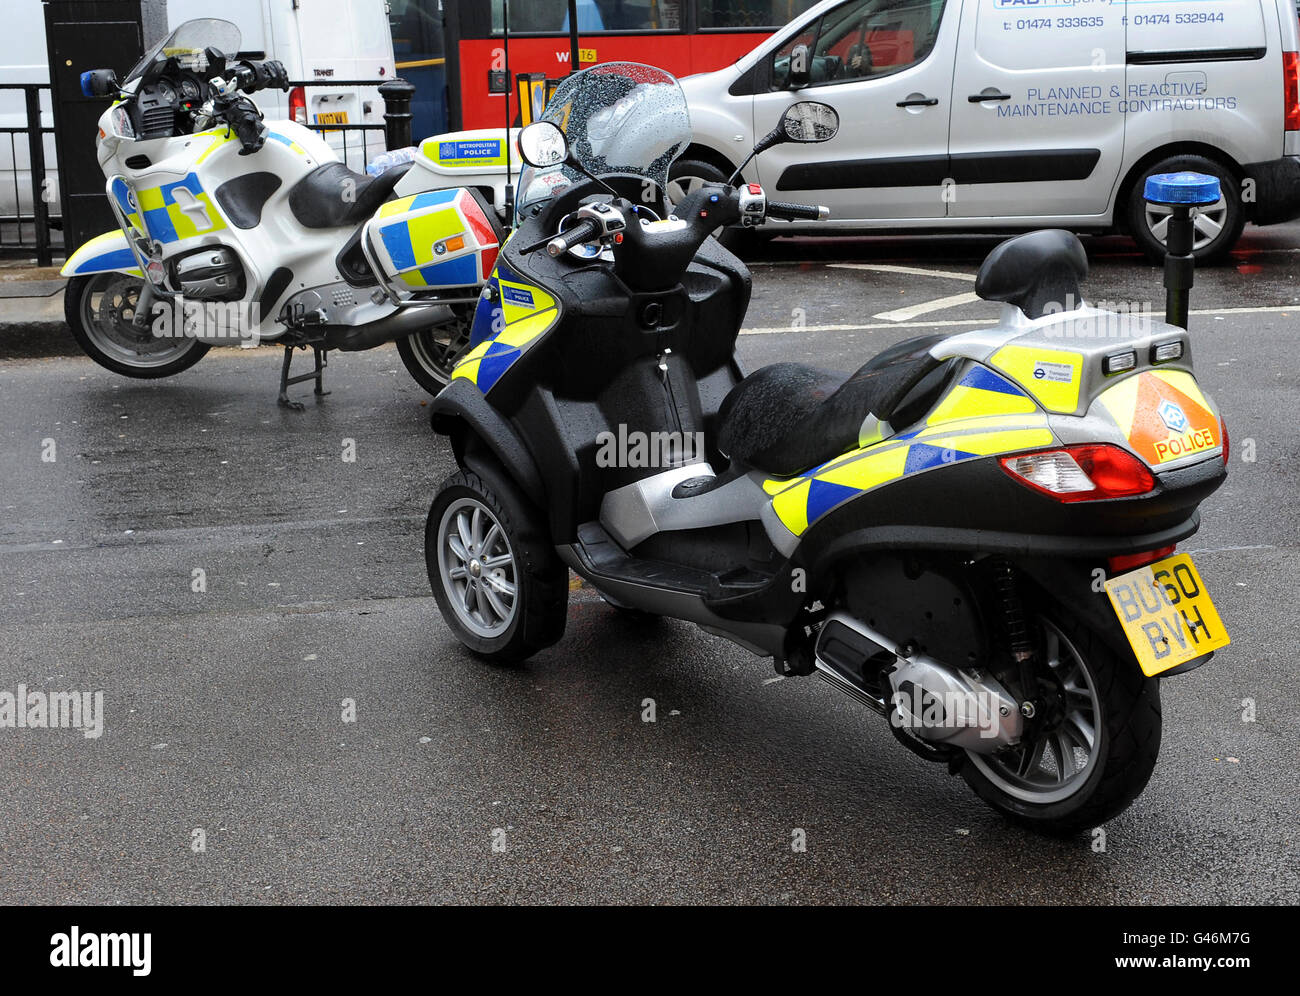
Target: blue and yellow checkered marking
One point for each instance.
(171, 210)
(521, 327)
(411, 227)
(801, 501)
(983, 414)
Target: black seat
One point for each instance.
(332, 196)
(1039, 273)
(789, 417)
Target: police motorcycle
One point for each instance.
(237, 230)
(972, 535)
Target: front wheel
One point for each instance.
(101, 309)
(497, 580)
(1092, 748)
(432, 354)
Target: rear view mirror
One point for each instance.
(543, 144)
(809, 121)
(99, 83)
(800, 68)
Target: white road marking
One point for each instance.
(938, 304)
(915, 271)
(992, 321)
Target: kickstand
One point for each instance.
(322, 361)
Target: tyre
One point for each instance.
(430, 355)
(100, 309)
(686, 177)
(1217, 227)
(1096, 746)
(497, 580)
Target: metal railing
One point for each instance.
(396, 94)
(28, 230)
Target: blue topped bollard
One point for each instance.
(1181, 193)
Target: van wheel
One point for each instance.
(100, 310)
(496, 579)
(430, 355)
(686, 177)
(1217, 227)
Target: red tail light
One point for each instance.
(1291, 90)
(1132, 561)
(298, 106)
(1223, 426)
(1081, 473)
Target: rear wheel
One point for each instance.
(100, 310)
(1092, 748)
(496, 579)
(432, 354)
(1216, 228)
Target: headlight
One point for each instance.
(120, 122)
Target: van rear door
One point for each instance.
(1037, 127)
(345, 40)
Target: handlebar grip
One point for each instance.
(248, 127)
(798, 212)
(583, 231)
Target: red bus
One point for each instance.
(681, 36)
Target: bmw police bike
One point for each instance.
(973, 535)
(238, 230)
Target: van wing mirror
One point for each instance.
(99, 83)
(809, 121)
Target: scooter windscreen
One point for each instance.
(619, 117)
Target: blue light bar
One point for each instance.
(1193, 189)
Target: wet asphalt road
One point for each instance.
(223, 709)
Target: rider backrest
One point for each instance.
(1039, 273)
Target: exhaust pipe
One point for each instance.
(404, 321)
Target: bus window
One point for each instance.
(752, 13)
(552, 16)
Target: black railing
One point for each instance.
(20, 230)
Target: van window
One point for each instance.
(864, 39)
(1224, 24)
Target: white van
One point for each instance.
(981, 115)
(317, 40)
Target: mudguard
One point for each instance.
(107, 253)
(460, 404)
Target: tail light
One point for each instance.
(1081, 473)
(1291, 90)
(298, 106)
(1132, 561)
(1223, 427)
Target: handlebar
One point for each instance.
(583, 231)
(254, 76)
(797, 212)
(245, 121)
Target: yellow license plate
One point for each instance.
(1166, 613)
(332, 117)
